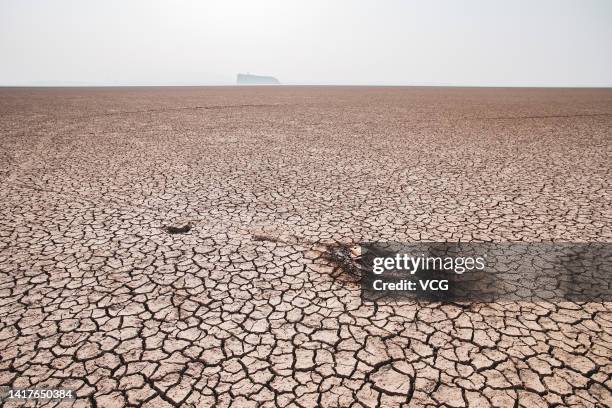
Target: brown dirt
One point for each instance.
(248, 307)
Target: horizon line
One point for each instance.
(398, 85)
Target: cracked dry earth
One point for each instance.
(250, 306)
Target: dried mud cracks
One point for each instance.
(250, 307)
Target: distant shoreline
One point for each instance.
(286, 85)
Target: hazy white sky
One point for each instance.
(477, 42)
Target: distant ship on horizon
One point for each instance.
(250, 79)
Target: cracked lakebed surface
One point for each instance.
(251, 305)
